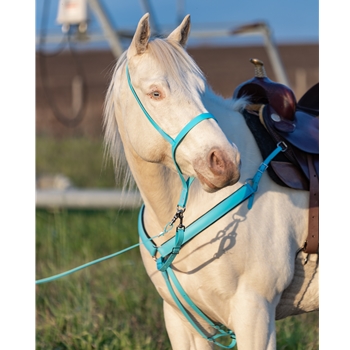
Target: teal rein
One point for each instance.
(63, 274)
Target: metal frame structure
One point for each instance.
(114, 37)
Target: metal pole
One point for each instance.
(87, 198)
(271, 48)
(110, 33)
(274, 56)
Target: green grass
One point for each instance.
(298, 332)
(80, 159)
(111, 305)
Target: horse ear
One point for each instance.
(181, 33)
(141, 37)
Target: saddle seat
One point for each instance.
(273, 116)
(294, 121)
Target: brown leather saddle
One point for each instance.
(274, 115)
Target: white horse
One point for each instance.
(246, 269)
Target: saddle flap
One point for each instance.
(302, 132)
(290, 175)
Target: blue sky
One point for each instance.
(290, 20)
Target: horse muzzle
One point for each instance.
(219, 169)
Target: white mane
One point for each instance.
(113, 144)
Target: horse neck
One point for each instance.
(159, 187)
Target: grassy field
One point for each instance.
(80, 159)
(111, 305)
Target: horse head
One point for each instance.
(168, 87)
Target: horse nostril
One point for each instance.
(218, 163)
(225, 170)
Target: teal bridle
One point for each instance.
(169, 250)
(173, 142)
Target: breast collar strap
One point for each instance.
(210, 217)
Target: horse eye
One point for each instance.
(156, 95)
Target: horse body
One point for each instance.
(237, 269)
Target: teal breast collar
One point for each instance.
(172, 247)
(199, 225)
(244, 192)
